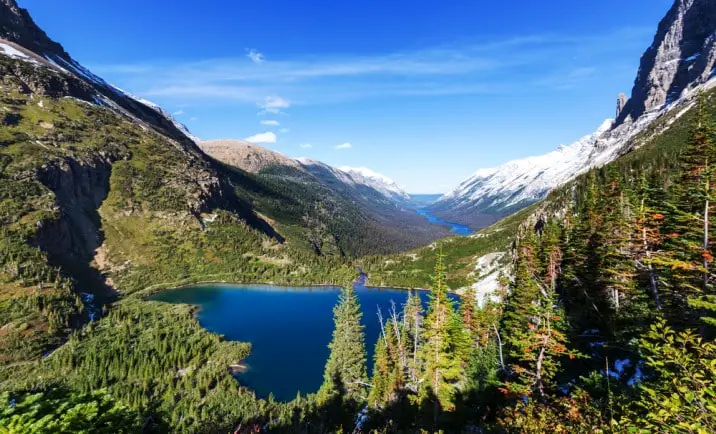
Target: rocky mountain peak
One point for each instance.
(683, 55)
(17, 26)
(621, 103)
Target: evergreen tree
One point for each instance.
(690, 219)
(535, 323)
(412, 330)
(345, 372)
(469, 312)
(440, 357)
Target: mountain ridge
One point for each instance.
(665, 80)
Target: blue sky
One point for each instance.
(424, 92)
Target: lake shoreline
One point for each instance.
(278, 320)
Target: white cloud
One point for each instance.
(255, 56)
(178, 113)
(343, 146)
(193, 119)
(267, 137)
(284, 130)
(273, 104)
(306, 145)
(498, 66)
(270, 122)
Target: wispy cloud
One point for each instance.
(511, 65)
(178, 113)
(343, 146)
(270, 122)
(255, 56)
(267, 137)
(284, 130)
(273, 104)
(305, 145)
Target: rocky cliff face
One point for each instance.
(680, 61)
(682, 56)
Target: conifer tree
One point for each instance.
(535, 323)
(412, 330)
(345, 372)
(688, 249)
(440, 358)
(649, 221)
(617, 246)
(469, 312)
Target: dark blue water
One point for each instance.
(289, 328)
(454, 227)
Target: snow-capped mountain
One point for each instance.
(516, 184)
(357, 176)
(377, 181)
(680, 61)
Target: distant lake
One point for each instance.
(454, 227)
(289, 328)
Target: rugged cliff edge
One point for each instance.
(678, 64)
(681, 57)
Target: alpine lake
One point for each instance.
(289, 328)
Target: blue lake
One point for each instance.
(289, 328)
(454, 227)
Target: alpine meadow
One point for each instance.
(152, 281)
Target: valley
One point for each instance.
(152, 281)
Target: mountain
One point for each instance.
(377, 181)
(245, 155)
(254, 158)
(103, 194)
(683, 55)
(493, 193)
(679, 62)
(18, 30)
(326, 200)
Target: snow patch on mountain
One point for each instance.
(527, 179)
(180, 126)
(520, 182)
(487, 273)
(386, 186)
(13, 52)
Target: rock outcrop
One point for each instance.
(683, 55)
(680, 60)
(621, 103)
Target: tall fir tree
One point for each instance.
(441, 361)
(345, 372)
(688, 251)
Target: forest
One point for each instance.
(605, 323)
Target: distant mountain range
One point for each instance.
(255, 158)
(679, 62)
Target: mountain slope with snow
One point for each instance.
(679, 63)
(495, 192)
(21, 38)
(377, 181)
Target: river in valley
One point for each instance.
(289, 328)
(456, 228)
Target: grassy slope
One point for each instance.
(414, 269)
(161, 220)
